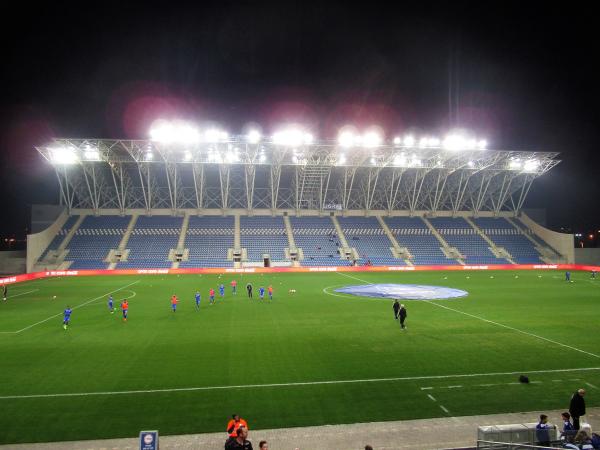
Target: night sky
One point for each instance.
(524, 77)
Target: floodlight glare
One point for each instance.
(253, 136)
(482, 145)
(214, 135)
(397, 140)
(400, 160)
(341, 159)
(188, 156)
(531, 165)
(149, 156)
(346, 139)
(292, 137)
(423, 142)
(91, 155)
(63, 155)
(408, 141)
(454, 142)
(471, 163)
(434, 142)
(371, 139)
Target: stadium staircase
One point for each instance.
(369, 241)
(450, 252)
(180, 253)
(546, 253)
(291, 243)
(52, 257)
(121, 252)
(346, 249)
(499, 252)
(399, 252)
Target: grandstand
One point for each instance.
(150, 206)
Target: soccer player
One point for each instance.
(593, 277)
(111, 307)
(124, 308)
(234, 287)
(270, 293)
(4, 292)
(211, 296)
(567, 276)
(221, 290)
(174, 302)
(261, 292)
(198, 297)
(67, 317)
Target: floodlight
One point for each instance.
(408, 141)
(149, 156)
(400, 160)
(187, 156)
(292, 137)
(482, 144)
(397, 140)
(371, 139)
(253, 136)
(515, 164)
(346, 139)
(531, 165)
(341, 159)
(91, 155)
(423, 142)
(373, 161)
(471, 163)
(63, 155)
(434, 142)
(454, 142)
(214, 135)
(262, 158)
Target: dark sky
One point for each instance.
(524, 77)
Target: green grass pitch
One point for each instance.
(308, 358)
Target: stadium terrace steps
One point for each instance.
(51, 252)
(340, 232)
(317, 241)
(208, 240)
(71, 233)
(449, 251)
(369, 241)
(263, 235)
(459, 234)
(499, 252)
(547, 252)
(127, 235)
(398, 252)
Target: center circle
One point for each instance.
(403, 291)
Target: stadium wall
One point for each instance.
(12, 262)
(589, 256)
(38, 242)
(70, 273)
(562, 242)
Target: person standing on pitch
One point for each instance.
(211, 296)
(396, 309)
(233, 287)
(577, 407)
(249, 289)
(111, 306)
(174, 302)
(67, 317)
(4, 292)
(402, 314)
(270, 293)
(198, 297)
(567, 276)
(124, 308)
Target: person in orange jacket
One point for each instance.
(234, 424)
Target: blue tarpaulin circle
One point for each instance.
(403, 291)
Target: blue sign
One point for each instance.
(148, 440)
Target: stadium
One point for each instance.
(299, 227)
(191, 209)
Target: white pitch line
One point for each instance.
(293, 384)
(426, 388)
(78, 306)
(591, 385)
(444, 409)
(22, 293)
(513, 329)
(455, 386)
(431, 397)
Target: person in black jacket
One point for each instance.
(240, 442)
(402, 314)
(396, 309)
(577, 407)
(249, 289)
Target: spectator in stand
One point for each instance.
(263, 445)
(234, 424)
(577, 407)
(239, 442)
(568, 432)
(542, 431)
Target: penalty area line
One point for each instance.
(293, 384)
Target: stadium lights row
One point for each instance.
(179, 132)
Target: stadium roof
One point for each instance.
(237, 172)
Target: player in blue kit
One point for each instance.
(67, 317)
(221, 290)
(198, 298)
(567, 276)
(261, 293)
(110, 304)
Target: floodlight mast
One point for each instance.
(292, 172)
